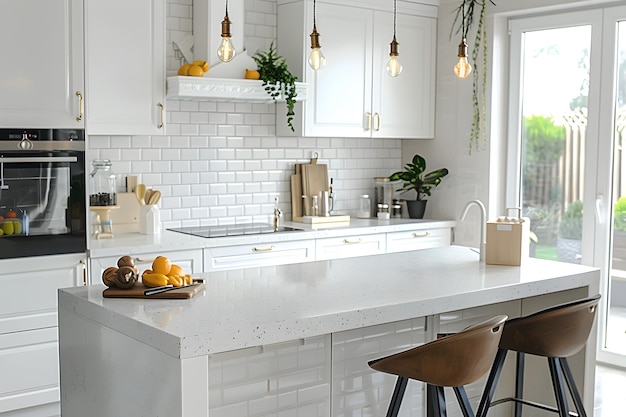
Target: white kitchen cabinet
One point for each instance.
(358, 389)
(260, 254)
(28, 330)
(189, 260)
(353, 96)
(407, 240)
(41, 78)
(291, 379)
(125, 67)
(349, 246)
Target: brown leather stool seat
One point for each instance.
(451, 361)
(555, 333)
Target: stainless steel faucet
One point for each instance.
(483, 215)
(277, 214)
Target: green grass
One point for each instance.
(545, 252)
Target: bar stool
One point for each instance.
(555, 333)
(451, 361)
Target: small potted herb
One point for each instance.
(279, 82)
(414, 178)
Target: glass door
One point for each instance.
(567, 155)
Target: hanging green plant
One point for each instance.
(466, 14)
(277, 79)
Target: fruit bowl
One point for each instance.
(11, 227)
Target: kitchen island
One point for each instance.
(203, 356)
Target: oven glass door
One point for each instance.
(42, 203)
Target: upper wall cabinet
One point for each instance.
(125, 67)
(41, 76)
(353, 96)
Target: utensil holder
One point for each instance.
(149, 219)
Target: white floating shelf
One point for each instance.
(222, 89)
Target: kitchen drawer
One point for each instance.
(260, 254)
(30, 368)
(28, 289)
(349, 246)
(189, 260)
(417, 239)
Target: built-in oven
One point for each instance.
(42, 192)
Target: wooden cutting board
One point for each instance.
(296, 197)
(314, 180)
(137, 291)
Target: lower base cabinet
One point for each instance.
(29, 352)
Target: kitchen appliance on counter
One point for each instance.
(42, 192)
(232, 230)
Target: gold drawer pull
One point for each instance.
(267, 249)
(162, 112)
(145, 260)
(423, 234)
(352, 242)
(81, 106)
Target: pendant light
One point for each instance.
(394, 68)
(462, 69)
(317, 60)
(226, 51)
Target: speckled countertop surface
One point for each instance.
(122, 244)
(260, 306)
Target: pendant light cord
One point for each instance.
(314, 13)
(226, 8)
(394, 19)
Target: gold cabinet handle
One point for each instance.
(376, 122)
(369, 122)
(162, 107)
(81, 106)
(423, 234)
(352, 241)
(267, 249)
(145, 260)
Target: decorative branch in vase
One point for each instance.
(467, 13)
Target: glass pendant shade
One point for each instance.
(462, 69)
(226, 50)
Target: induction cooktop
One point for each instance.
(231, 230)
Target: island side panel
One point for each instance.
(105, 373)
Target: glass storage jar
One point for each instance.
(102, 182)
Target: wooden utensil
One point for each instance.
(140, 192)
(154, 198)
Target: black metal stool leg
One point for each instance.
(435, 401)
(396, 398)
(573, 389)
(464, 403)
(559, 389)
(519, 382)
(492, 381)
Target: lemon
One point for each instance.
(8, 228)
(184, 69)
(1, 232)
(195, 71)
(17, 227)
(202, 64)
(252, 75)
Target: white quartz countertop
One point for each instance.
(260, 306)
(125, 243)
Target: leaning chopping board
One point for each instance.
(314, 180)
(137, 291)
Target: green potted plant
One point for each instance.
(414, 178)
(277, 79)
(569, 240)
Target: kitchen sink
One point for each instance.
(232, 230)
